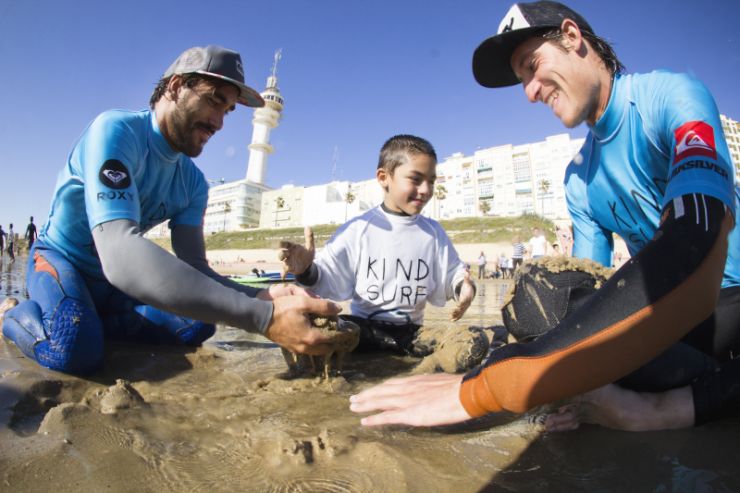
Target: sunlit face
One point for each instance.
(411, 185)
(198, 114)
(558, 78)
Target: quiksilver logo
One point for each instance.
(693, 139)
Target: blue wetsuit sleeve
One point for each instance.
(108, 157)
(148, 273)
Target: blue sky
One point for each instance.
(353, 73)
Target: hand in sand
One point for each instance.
(618, 408)
(296, 258)
(467, 293)
(422, 400)
(291, 328)
(283, 289)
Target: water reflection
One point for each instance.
(12, 276)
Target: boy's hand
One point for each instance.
(467, 292)
(282, 289)
(296, 258)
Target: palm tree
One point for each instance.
(544, 186)
(349, 197)
(485, 207)
(440, 193)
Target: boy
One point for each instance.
(11, 242)
(391, 260)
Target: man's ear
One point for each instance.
(572, 37)
(173, 87)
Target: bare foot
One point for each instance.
(614, 407)
(6, 305)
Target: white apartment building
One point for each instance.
(731, 129)
(233, 206)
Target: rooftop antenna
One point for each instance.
(278, 55)
(334, 161)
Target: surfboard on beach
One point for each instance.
(270, 277)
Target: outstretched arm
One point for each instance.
(148, 273)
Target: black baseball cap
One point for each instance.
(220, 63)
(492, 58)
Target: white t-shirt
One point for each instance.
(538, 246)
(389, 266)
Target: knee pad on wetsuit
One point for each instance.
(167, 328)
(73, 343)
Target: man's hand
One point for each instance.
(296, 258)
(467, 292)
(291, 328)
(283, 289)
(422, 400)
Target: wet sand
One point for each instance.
(221, 418)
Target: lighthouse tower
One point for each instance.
(265, 119)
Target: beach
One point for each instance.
(224, 417)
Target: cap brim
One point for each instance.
(247, 95)
(492, 58)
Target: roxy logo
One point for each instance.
(694, 139)
(113, 174)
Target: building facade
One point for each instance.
(731, 129)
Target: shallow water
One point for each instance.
(220, 418)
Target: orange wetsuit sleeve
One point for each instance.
(664, 291)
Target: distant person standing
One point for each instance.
(517, 257)
(537, 244)
(502, 264)
(565, 238)
(11, 242)
(30, 233)
(3, 234)
(482, 266)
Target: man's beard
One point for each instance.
(183, 134)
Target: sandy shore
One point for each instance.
(243, 261)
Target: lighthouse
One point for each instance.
(265, 119)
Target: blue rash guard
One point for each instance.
(142, 179)
(660, 137)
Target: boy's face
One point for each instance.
(410, 186)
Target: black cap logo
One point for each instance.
(114, 175)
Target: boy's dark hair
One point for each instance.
(396, 150)
(190, 80)
(602, 48)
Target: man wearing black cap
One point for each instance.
(91, 274)
(656, 170)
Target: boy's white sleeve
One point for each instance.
(336, 267)
(449, 269)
